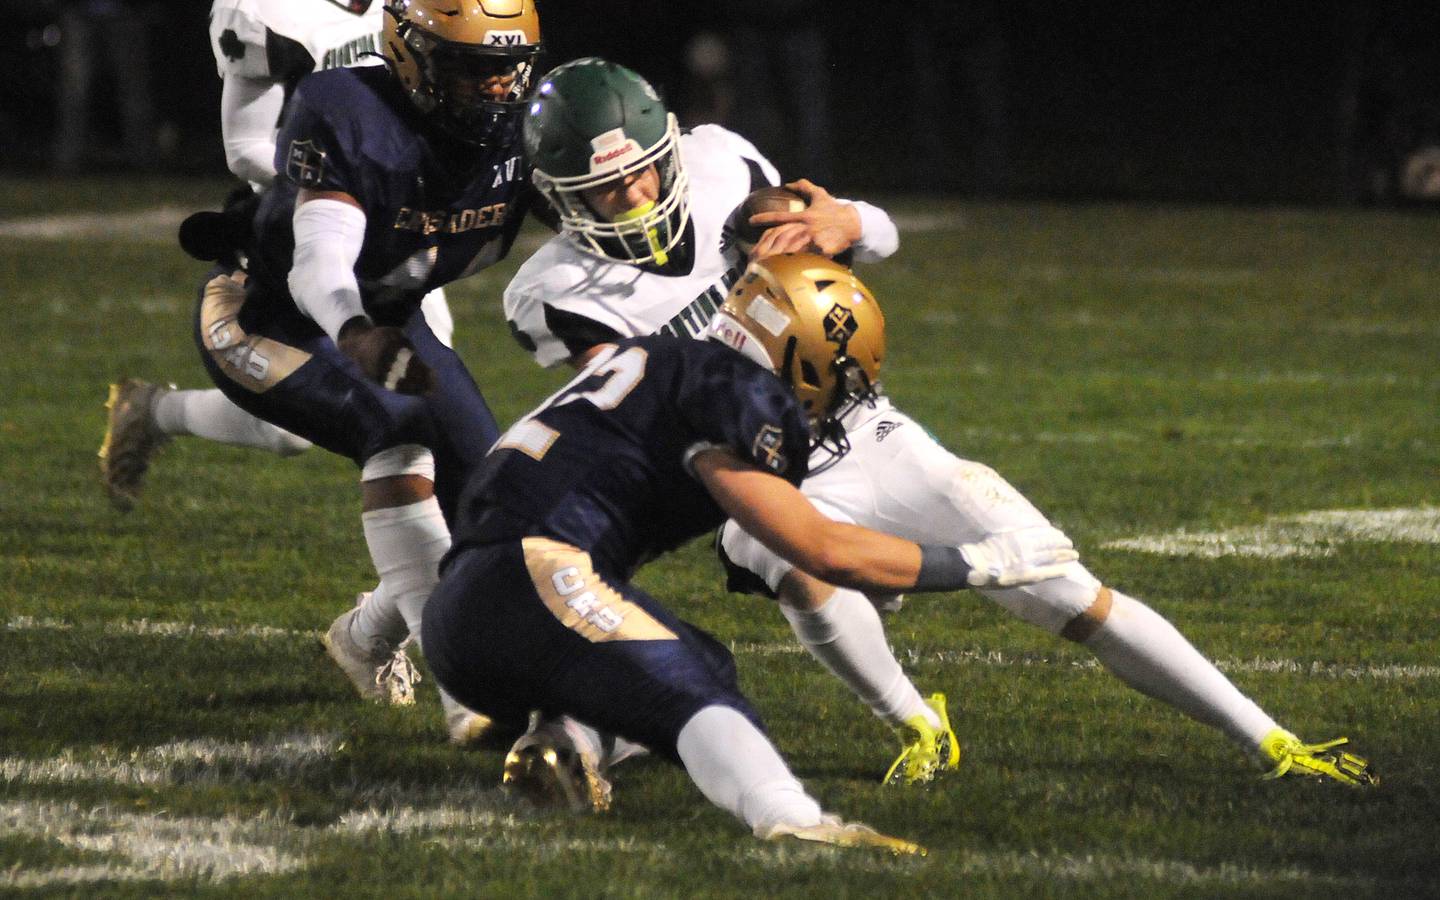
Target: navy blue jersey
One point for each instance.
(435, 210)
(602, 465)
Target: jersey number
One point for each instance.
(621, 373)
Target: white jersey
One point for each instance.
(564, 300)
(260, 38)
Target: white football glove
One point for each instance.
(1018, 557)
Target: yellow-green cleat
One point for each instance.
(928, 750)
(1291, 756)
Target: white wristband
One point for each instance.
(878, 235)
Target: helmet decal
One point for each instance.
(839, 325)
(768, 316)
(612, 151)
(511, 37)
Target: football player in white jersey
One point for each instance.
(642, 250)
(262, 48)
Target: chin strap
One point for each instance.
(852, 389)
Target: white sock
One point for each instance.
(1147, 653)
(210, 414)
(739, 770)
(847, 637)
(406, 543)
(379, 620)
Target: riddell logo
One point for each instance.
(729, 334)
(600, 159)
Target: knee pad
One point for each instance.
(1055, 603)
(1083, 626)
(750, 566)
(403, 459)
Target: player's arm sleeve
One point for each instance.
(878, 235)
(329, 235)
(249, 114)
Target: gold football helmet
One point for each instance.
(468, 63)
(808, 319)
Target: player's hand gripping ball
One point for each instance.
(386, 356)
(767, 199)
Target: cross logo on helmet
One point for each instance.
(840, 325)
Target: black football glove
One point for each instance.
(221, 236)
(386, 356)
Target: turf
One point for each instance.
(1134, 370)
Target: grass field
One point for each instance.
(1234, 412)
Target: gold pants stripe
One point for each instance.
(253, 362)
(566, 582)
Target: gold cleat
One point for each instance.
(1293, 757)
(928, 751)
(547, 768)
(131, 439)
(847, 834)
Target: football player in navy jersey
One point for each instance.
(391, 181)
(262, 49)
(654, 443)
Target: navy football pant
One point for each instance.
(524, 625)
(280, 366)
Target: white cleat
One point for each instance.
(380, 673)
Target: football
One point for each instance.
(767, 199)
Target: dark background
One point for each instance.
(1288, 100)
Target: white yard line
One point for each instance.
(195, 761)
(1308, 534)
(144, 627)
(148, 846)
(164, 848)
(156, 225)
(967, 656)
(1051, 867)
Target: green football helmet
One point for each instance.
(591, 122)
